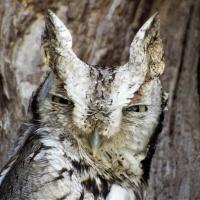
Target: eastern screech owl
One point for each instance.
(93, 130)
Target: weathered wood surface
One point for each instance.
(102, 32)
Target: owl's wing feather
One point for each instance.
(24, 132)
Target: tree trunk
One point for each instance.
(102, 33)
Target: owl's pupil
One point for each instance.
(137, 108)
(133, 109)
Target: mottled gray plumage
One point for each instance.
(93, 129)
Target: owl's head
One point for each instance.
(104, 108)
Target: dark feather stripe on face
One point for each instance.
(146, 163)
(38, 95)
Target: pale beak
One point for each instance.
(94, 140)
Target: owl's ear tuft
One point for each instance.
(57, 44)
(56, 40)
(147, 49)
(56, 37)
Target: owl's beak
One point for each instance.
(94, 140)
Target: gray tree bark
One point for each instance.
(102, 32)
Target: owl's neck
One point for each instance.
(93, 174)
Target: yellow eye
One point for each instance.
(137, 108)
(142, 108)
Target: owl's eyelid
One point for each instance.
(59, 96)
(132, 105)
(60, 99)
(137, 108)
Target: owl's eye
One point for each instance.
(137, 108)
(60, 100)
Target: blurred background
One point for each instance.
(102, 32)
